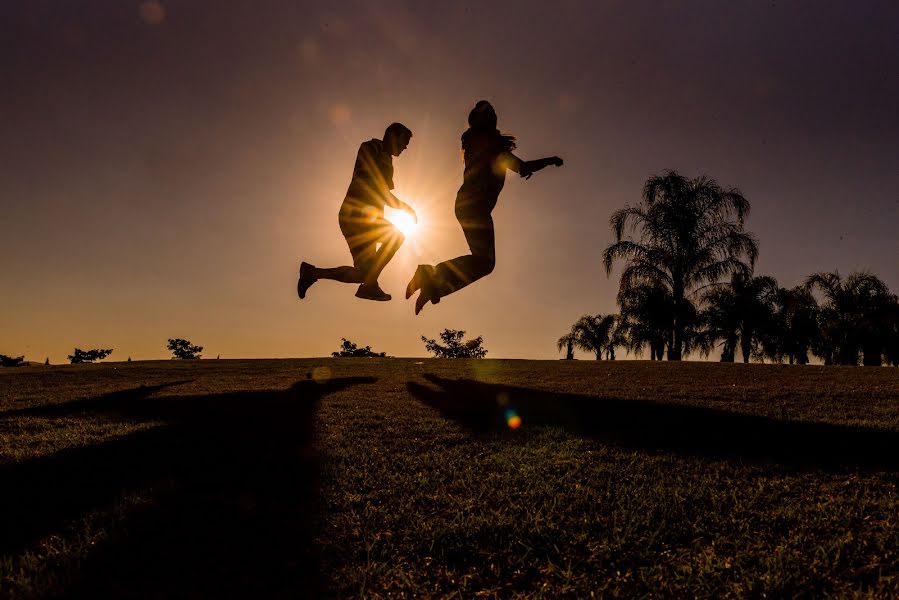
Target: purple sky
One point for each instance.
(165, 165)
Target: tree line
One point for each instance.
(688, 286)
(179, 347)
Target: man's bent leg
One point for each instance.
(341, 274)
(364, 247)
(390, 240)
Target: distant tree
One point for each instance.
(47, 362)
(12, 361)
(593, 333)
(689, 234)
(454, 347)
(567, 341)
(182, 349)
(854, 317)
(88, 356)
(742, 309)
(129, 359)
(349, 349)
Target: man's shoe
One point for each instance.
(371, 291)
(306, 279)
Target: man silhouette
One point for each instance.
(362, 219)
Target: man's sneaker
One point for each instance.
(306, 279)
(371, 291)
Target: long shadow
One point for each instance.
(105, 403)
(233, 479)
(666, 427)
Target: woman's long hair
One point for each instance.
(482, 134)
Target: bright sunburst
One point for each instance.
(404, 222)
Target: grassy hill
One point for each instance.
(382, 477)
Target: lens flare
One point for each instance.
(152, 12)
(321, 374)
(512, 418)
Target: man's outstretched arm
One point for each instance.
(394, 202)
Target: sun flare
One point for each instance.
(404, 222)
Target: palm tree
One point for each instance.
(690, 235)
(853, 317)
(617, 337)
(593, 333)
(646, 318)
(567, 341)
(891, 333)
(795, 326)
(743, 309)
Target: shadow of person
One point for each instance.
(232, 480)
(652, 426)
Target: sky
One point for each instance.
(165, 166)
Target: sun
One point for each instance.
(404, 222)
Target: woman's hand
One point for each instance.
(532, 166)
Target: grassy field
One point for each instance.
(402, 477)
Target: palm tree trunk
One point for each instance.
(871, 357)
(746, 347)
(729, 349)
(673, 345)
(677, 333)
(847, 355)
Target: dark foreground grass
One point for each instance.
(361, 477)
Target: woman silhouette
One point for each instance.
(488, 155)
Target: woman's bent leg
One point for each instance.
(453, 275)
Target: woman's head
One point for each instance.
(482, 116)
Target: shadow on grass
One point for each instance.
(654, 426)
(234, 494)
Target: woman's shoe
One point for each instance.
(416, 281)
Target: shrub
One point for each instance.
(12, 361)
(88, 356)
(349, 349)
(454, 346)
(182, 349)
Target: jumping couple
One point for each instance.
(487, 154)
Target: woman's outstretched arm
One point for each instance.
(526, 168)
(530, 167)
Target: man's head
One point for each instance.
(396, 138)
